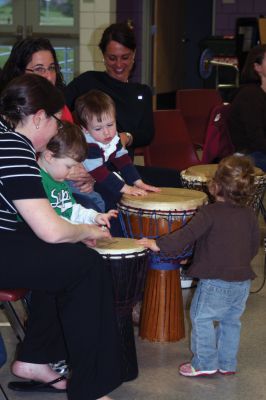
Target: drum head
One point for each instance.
(205, 172)
(199, 173)
(118, 246)
(169, 199)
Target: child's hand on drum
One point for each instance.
(104, 218)
(184, 262)
(149, 244)
(133, 190)
(141, 185)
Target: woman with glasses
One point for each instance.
(37, 56)
(51, 257)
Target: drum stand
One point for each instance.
(162, 315)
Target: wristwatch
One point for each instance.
(130, 138)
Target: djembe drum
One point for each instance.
(151, 216)
(127, 262)
(197, 177)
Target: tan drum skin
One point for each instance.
(117, 247)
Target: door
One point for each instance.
(55, 19)
(179, 26)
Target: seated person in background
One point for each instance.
(95, 112)
(247, 118)
(65, 150)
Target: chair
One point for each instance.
(171, 146)
(7, 297)
(195, 106)
(218, 143)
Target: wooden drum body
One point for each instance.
(158, 213)
(197, 177)
(151, 216)
(127, 262)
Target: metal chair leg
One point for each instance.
(3, 393)
(14, 319)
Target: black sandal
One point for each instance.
(35, 386)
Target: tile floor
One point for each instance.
(158, 375)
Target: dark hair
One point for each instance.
(234, 180)
(21, 55)
(27, 94)
(68, 142)
(255, 55)
(93, 103)
(119, 32)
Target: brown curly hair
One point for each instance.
(68, 142)
(234, 180)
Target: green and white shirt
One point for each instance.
(63, 202)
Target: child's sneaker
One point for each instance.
(224, 372)
(187, 370)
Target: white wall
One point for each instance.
(95, 16)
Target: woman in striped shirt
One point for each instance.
(67, 281)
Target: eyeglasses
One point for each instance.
(42, 70)
(59, 122)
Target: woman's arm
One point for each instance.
(49, 227)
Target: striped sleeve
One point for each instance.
(19, 175)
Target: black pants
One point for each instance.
(72, 314)
(161, 177)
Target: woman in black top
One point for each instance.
(133, 101)
(68, 282)
(247, 119)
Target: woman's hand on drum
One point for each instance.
(149, 244)
(82, 179)
(141, 185)
(96, 232)
(104, 219)
(133, 190)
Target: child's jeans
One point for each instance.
(87, 199)
(215, 346)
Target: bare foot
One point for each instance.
(37, 372)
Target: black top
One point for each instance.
(247, 119)
(227, 238)
(19, 175)
(133, 103)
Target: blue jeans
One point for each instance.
(215, 345)
(88, 200)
